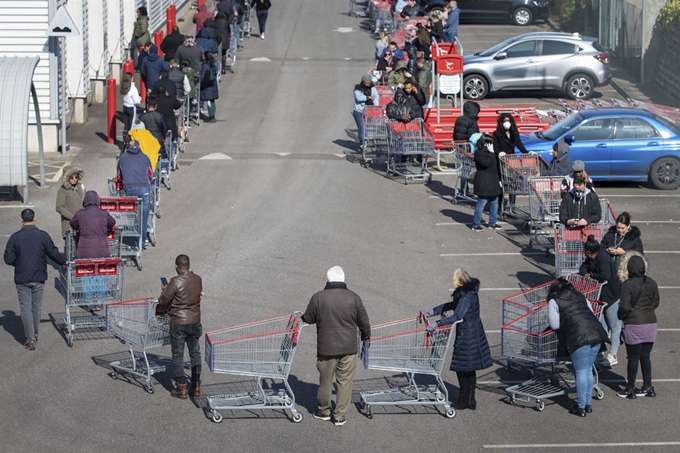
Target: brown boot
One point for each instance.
(180, 392)
(195, 389)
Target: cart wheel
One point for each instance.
(69, 341)
(599, 393)
(369, 412)
(216, 417)
(149, 389)
(540, 405)
(122, 341)
(510, 400)
(139, 264)
(287, 401)
(297, 417)
(450, 413)
(113, 375)
(440, 397)
(152, 240)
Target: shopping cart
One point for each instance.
(263, 350)
(128, 214)
(167, 163)
(529, 340)
(465, 161)
(383, 20)
(246, 22)
(114, 240)
(375, 134)
(232, 49)
(545, 198)
(116, 187)
(406, 346)
(355, 8)
(90, 283)
(516, 169)
(135, 322)
(412, 140)
(569, 242)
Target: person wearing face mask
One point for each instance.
(487, 183)
(599, 266)
(621, 238)
(580, 207)
(505, 139)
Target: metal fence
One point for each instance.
(620, 31)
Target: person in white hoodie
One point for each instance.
(131, 99)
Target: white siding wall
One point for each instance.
(97, 43)
(22, 33)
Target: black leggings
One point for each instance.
(467, 381)
(128, 113)
(639, 353)
(262, 19)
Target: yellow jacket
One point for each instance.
(148, 144)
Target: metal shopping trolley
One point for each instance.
(409, 141)
(375, 134)
(128, 214)
(545, 197)
(167, 162)
(113, 239)
(406, 346)
(516, 169)
(116, 188)
(263, 350)
(232, 50)
(135, 322)
(90, 283)
(464, 159)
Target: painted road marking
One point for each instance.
(647, 252)
(608, 444)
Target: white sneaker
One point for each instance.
(610, 361)
(262, 36)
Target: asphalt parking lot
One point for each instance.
(265, 202)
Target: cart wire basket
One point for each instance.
(262, 350)
(412, 140)
(135, 322)
(406, 346)
(375, 134)
(128, 214)
(545, 197)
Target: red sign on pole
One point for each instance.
(450, 64)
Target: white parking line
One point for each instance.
(647, 252)
(636, 196)
(571, 381)
(658, 330)
(607, 444)
(646, 222)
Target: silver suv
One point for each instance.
(545, 61)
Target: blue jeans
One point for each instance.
(448, 37)
(235, 30)
(145, 194)
(30, 302)
(479, 209)
(583, 359)
(610, 321)
(188, 334)
(358, 118)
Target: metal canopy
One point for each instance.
(16, 84)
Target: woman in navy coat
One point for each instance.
(471, 349)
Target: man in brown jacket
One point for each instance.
(337, 313)
(182, 295)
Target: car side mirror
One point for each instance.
(569, 139)
(501, 56)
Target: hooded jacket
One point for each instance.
(585, 207)
(151, 67)
(577, 322)
(400, 106)
(466, 125)
(141, 31)
(134, 167)
(214, 33)
(424, 78)
(397, 77)
(204, 39)
(487, 182)
(632, 271)
(632, 240)
(69, 197)
(92, 226)
(471, 350)
(170, 44)
(561, 164)
(337, 313)
(201, 16)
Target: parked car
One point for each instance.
(618, 144)
(541, 61)
(520, 12)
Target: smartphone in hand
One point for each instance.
(164, 281)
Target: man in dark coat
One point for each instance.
(204, 39)
(27, 250)
(222, 27)
(487, 183)
(151, 67)
(561, 163)
(171, 43)
(466, 124)
(167, 106)
(92, 225)
(134, 168)
(400, 109)
(414, 97)
(580, 206)
(338, 313)
(154, 121)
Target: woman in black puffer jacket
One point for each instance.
(622, 238)
(471, 349)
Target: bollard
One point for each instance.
(158, 39)
(142, 89)
(111, 110)
(129, 68)
(171, 18)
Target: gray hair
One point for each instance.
(335, 274)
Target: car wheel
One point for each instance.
(580, 86)
(664, 174)
(476, 87)
(522, 16)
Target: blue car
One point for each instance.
(618, 144)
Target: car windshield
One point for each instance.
(559, 128)
(492, 50)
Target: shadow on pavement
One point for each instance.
(162, 368)
(12, 325)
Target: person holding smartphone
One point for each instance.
(182, 296)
